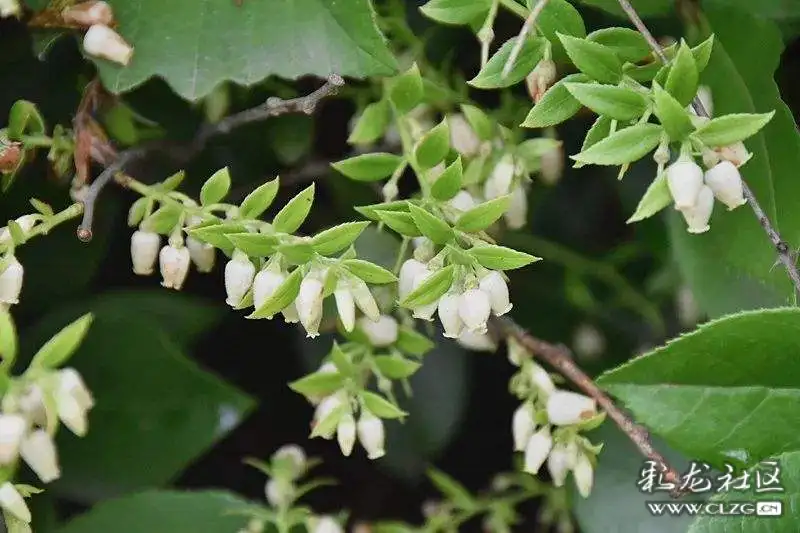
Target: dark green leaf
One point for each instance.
(490, 76)
(593, 59)
(627, 43)
(618, 103)
(24, 117)
(559, 16)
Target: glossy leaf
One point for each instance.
(456, 12)
(593, 59)
(624, 146)
(294, 213)
(337, 238)
(618, 103)
(258, 201)
(728, 129)
(369, 167)
(484, 215)
(556, 106)
(560, 16)
(431, 226)
(490, 76)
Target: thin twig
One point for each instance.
(115, 162)
(560, 358)
(527, 27)
(781, 246)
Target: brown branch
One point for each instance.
(115, 162)
(560, 358)
(781, 246)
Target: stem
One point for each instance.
(44, 228)
(529, 24)
(37, 140)
(515, 8)
(781, 246)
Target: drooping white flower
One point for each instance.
(326, 524)
(565, 408)
(103, 42)
(25, 223)
(463, 138)
(11, 282)
(265, 283)
(382, 332)
(448, 315)
(371, 434)
(12, 430)
(499, 181)
(552, 165)
(736, 153)
(346, 434)
(239, 275)
(13, 502)
(684, 179)
(480, 342)
(522, 426)
(364, 299)
(537, 449)
(309, 304)
(327, 407)
(89, 13)
(541, 381)
(408, 272)
(559, 463)
(144, 251)
(516, 352)
(496, 287)
(174, 264)
(540, 79)
(584, 475)
(462, 201)
(73, 401)
(474, 308)
(39, 451)
(203, 255)
(517, 214)
(686, 307)
(697, 217)
(725, 182)
(279, 492)
(345, 305)
(424, 312)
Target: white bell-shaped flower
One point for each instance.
(499, 181)
(540, 79)
(103, 42)
(290, 315)
(408, 273)
(517, 214)
(345, 305)
(552, 165)
(364, 299)
(39, 451)
(736, 153)
(541, 381)
(346, 434)
(25, 223)
(371, 434)
(537, 449)
(565, 408)
(70, 382)
(309, 304)
(382, 332)
(697, 217)
(144, 251)
(203, 255)
(12, 430)
(474, 308)
(326, 408)
(174, 264)
(479, 342)
(463, 138)
(522, 426)
(294, 455)
(448, 315)
(584, 475)
(239, 275)
(73, 401)
(326, 524)
(496, 287)
(559, 463)
(462, 201)
(725, 182)
(89, 13)
(11, 282)
(516, 352)
(684, 179)
(265, 283)
(13, 502)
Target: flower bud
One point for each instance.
(537, 450)
(541, 381)
(463, 138)
(346, 434)
(380, 333)
(588, 341)
(71, 383)
(371, 434)
(684, 179)
(448, 315)
(559, 463)
(736, 153)
(203, 255)
(174, 265)
(495, 286)
(522, 426)
(144, 251)
(345, 305)
(326, 524)
(462, 201)
(479, 342)
(408, 272)
(725, 182)
(265, 283)
(499, 181)
(364, 299)
(11, 282)
(309, 304)
(686, 307)
(552, 165)
(13, 502)
(565, 408)
(88, 13)
(25, 223)
(424, 312)
(584, 475)
(103, 42)
(474, 309)
(292, 454)
(390, 191)
(697, 217)
(12, 430)
(517, 214)
(540, 79)
(279, 492)
(39, 451)
(239, 275)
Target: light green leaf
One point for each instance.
(381, 407)
(431, 289)
(451, 489)
(484, 215)
(297, 253)
(480, 121)
(401, 222)
(369, 272)
(726, 405)
(456, 12)
(137, 211)
(501, 258)
(597, 132)
(62, 345)
(8, 338)
(593, 59)
(407, 90)
(371, 211)
(254, 244)
(284, 296)
(448, 183)
(318, 384)
(161, 510)
(24, 117)
(372, 123)
(395, 367)
(556, 106)
(434, 146)
(490, 76)
(163, 220)
(627, 43)
(656, 198)
(41, 207)
(337, 238)
(369, 167)
(210, 41)
(702, 53)
(216, 187)
(258, 201)
(172, 182)
(624, 146)
(431, 226)
(216, 234)
(728, 129)
(294, 213)
(673, 116)
(412, 342)
(618, 103)
(559, 16)
(683, 76)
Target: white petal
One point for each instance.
(448, 315)
(382, 332)
(203, 255)
(265, 284)
(537, 450)
(684, 179)
(565, 408)
(522, 426)
(39, 451)
(12, 430)
(480, 342)
(474, 309)
(371, 434)
(239, 275)
(697, 216)
(408, 272)
(13, 502)
(144, 251)
(495, 286)
(725, 182)
(11, 282)
(584, 475)
(174, 264)
(345, 305)
(346, 434)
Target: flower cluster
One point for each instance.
(547, 425)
